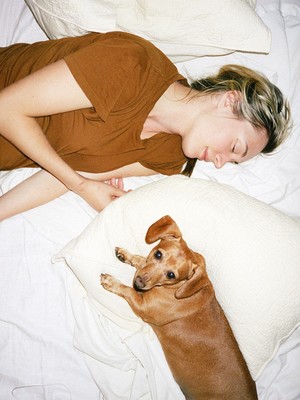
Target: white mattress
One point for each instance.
(37, 356)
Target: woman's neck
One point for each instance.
(166, 109)
(172, 112)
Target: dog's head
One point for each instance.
(171, 261)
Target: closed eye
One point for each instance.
(237, 148)
(233, 150)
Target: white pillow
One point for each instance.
(252, 253)
(181, 31)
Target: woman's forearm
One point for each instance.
(43, 187)
(34, 191)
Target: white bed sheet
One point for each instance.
(37, 356)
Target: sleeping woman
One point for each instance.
(101, 106)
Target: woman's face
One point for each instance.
(220, 137)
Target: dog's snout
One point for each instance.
(139, 283)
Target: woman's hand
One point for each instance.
(100, 194)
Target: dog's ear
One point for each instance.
(164, 228)
(193, 284)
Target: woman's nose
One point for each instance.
(219, 161)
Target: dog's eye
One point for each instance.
(158, 254)
(170, 275)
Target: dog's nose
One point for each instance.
(138, 283)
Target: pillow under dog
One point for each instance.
(252, 253)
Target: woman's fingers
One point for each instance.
(99, 194)
(116, 182)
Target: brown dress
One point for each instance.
(123, 76)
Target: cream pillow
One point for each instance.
(252, 253)
(181, 31)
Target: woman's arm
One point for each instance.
(48, 91)
(34, 191)
(43, 187)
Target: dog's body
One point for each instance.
(175, 296)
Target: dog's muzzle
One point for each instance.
(138, 283)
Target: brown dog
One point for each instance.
(173, 294)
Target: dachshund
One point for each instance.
(172, 292)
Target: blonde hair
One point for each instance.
(262, 103)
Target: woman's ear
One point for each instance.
(232, 98)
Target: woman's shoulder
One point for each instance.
(140, 50)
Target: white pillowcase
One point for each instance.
(252, 253)
(181, 30)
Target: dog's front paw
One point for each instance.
(120, 254)
(108, 281)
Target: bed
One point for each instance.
(52, 340)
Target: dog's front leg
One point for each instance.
(133, 298)
(132, 259)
